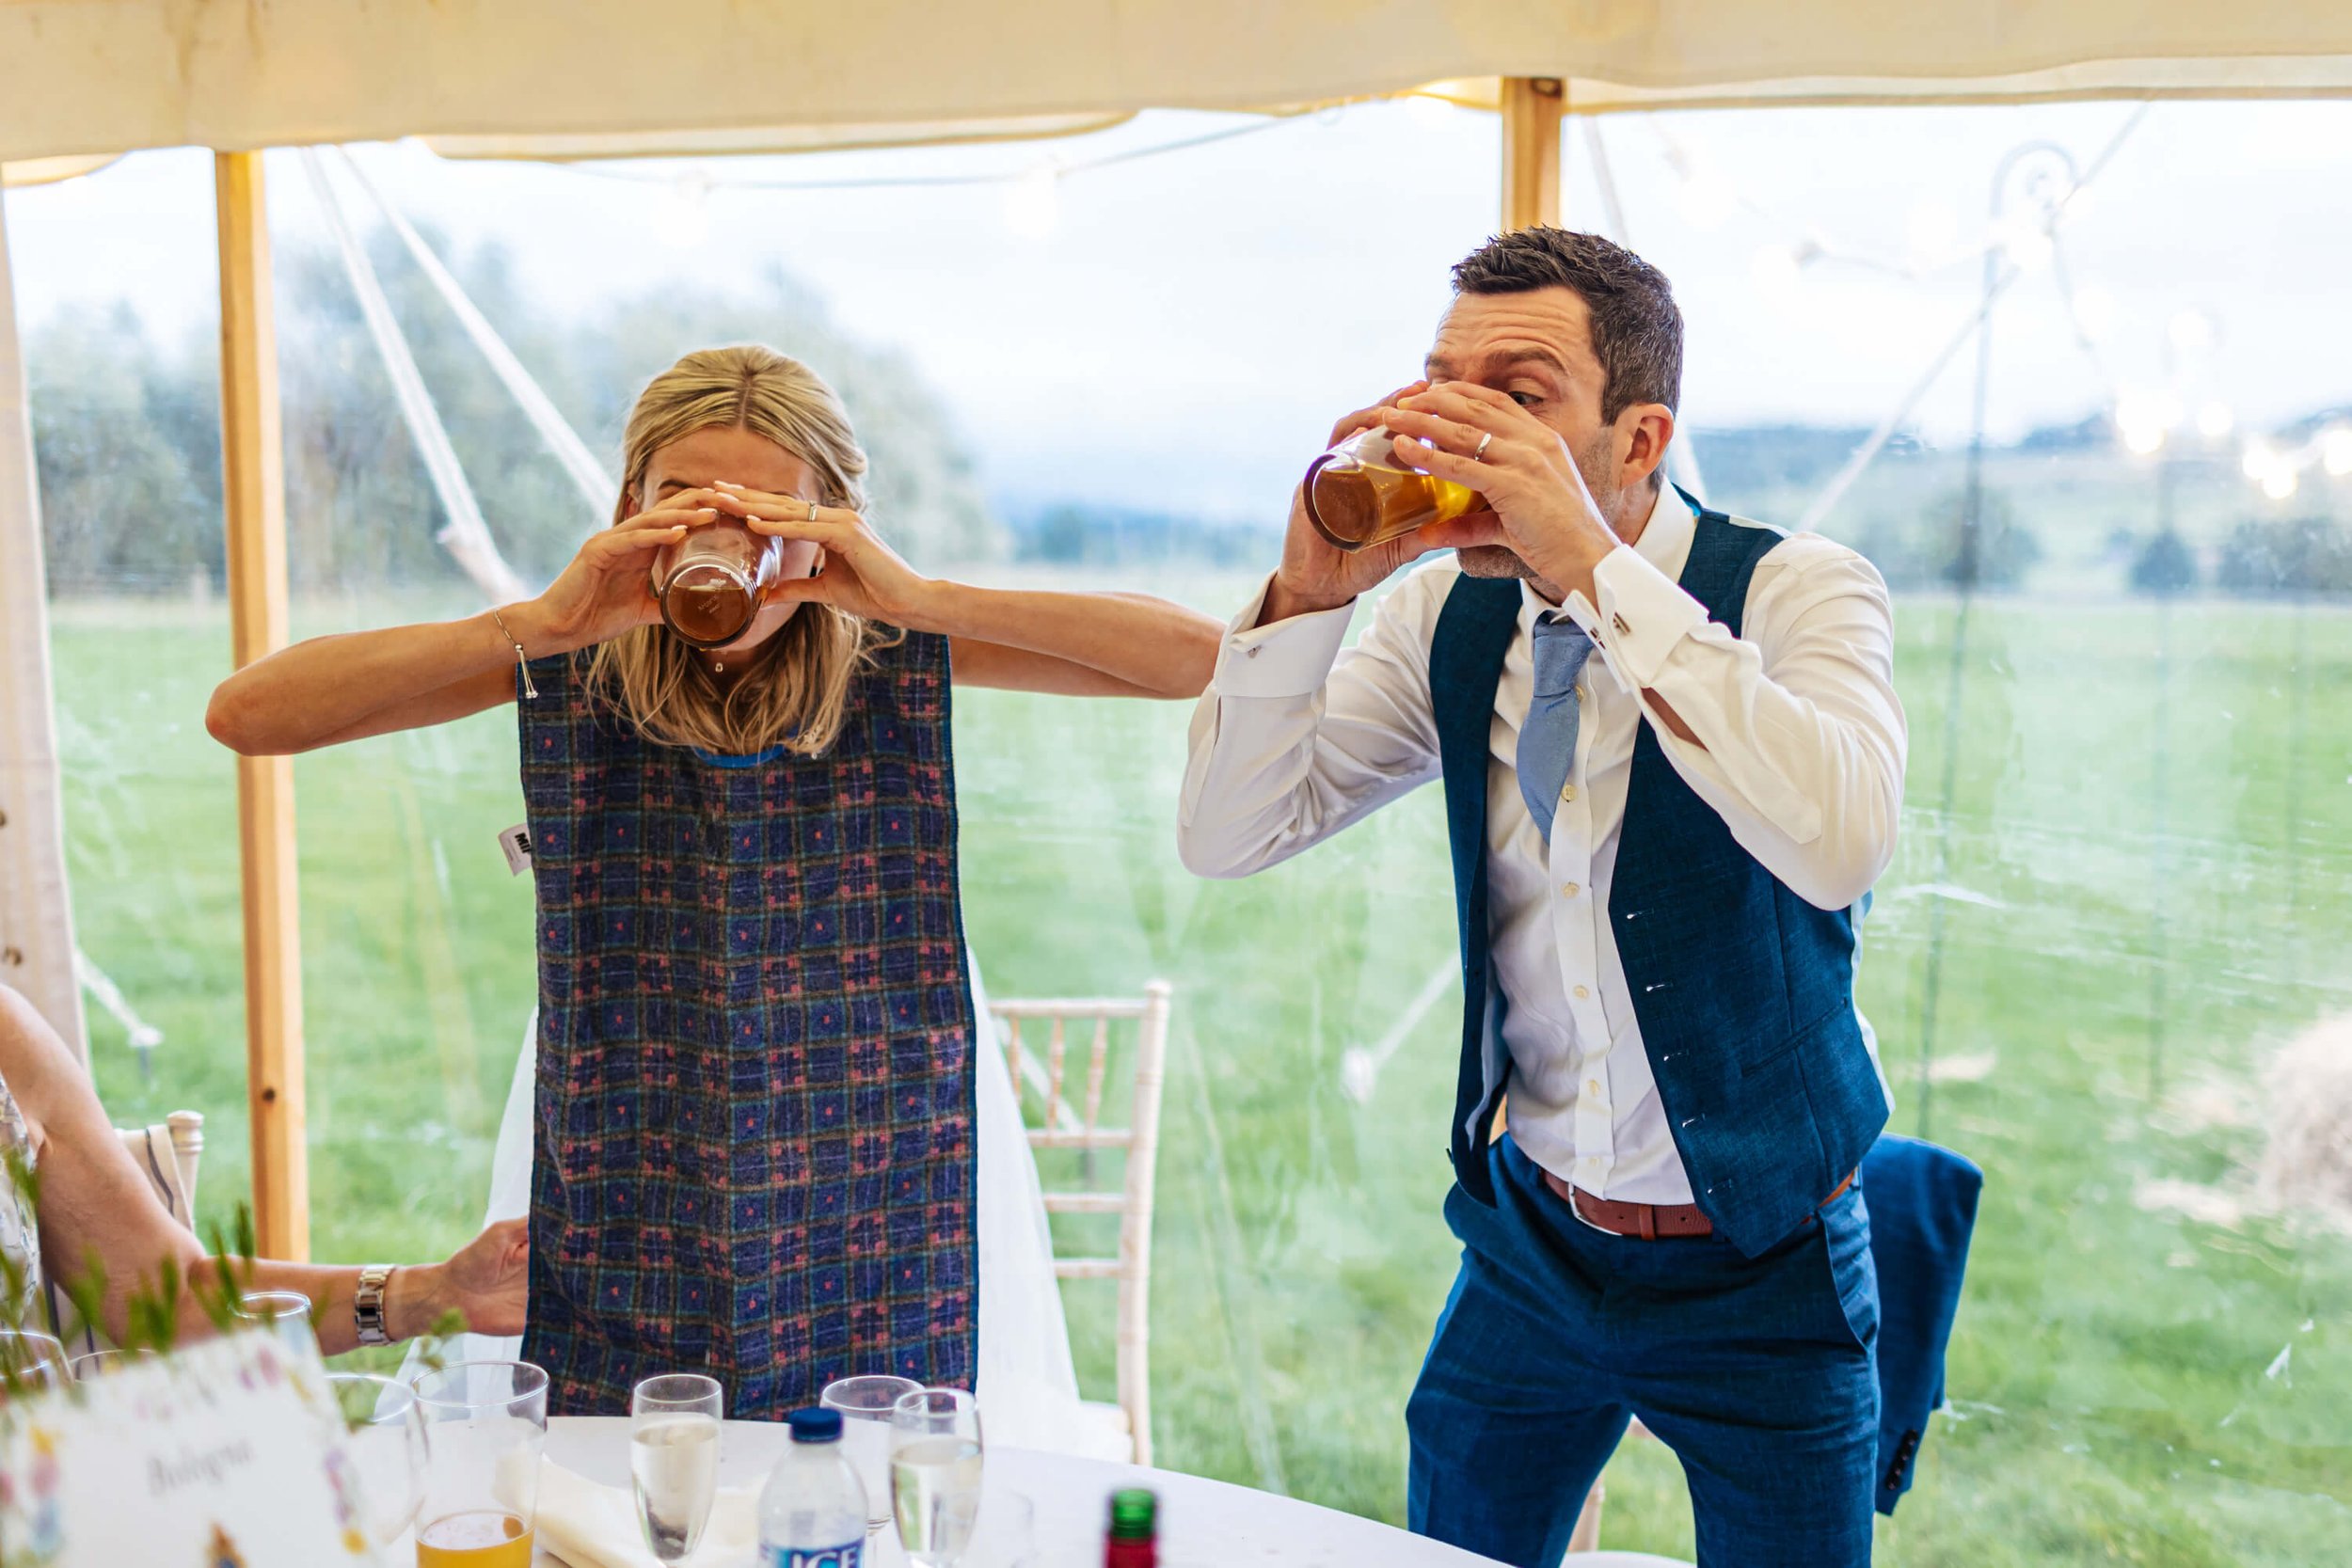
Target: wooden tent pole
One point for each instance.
(1532, 110)
(253, 485)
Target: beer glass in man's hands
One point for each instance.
(1361, 494)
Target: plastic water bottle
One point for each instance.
(812, 1511)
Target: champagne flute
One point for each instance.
(866, 1404)
(674, 1460)
(935, 1464)
(385, 1442)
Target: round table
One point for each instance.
(1203, 1523)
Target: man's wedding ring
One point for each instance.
(1484, 441)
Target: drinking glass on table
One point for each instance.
(384, 1438)
(104, 1363)
(30, 1362)
(284, 1313)
(674, 1460)
(935, 1461)
(486, 1425)
(866, 1404)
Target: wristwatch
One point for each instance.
(367, 1303)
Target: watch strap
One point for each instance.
(367, 1303)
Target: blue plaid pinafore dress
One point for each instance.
(752, 1149)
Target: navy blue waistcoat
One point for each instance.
(1744, 991)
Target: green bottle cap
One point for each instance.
(1135, 1512)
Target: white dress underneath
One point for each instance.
(1027, 1387)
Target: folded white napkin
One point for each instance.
(590, 1525)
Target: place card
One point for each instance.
(227, 1454)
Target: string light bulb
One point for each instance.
(2335, 450)
(2280, 482)
(2214, 420)
(2192, 331)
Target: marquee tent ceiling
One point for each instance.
(90, 78)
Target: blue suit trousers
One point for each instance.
(1757, 1371)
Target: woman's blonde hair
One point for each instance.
(796, 689)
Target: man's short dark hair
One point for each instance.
(1637, 327)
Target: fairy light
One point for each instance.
(2335, 450)
(1429, 110)
(2258, 460)
(2192, 331)
(2280, 482)
(2214, 420)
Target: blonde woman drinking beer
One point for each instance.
(754, 1150)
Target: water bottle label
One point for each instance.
(850, 1556)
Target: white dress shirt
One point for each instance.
(1801, 748)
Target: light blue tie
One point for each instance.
(1547, 739)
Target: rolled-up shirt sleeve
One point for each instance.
(1801, 738)
(1298, 737)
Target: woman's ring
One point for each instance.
(1480, 455)
(812, 511)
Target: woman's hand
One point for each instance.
(607, 588)
(856, 572)
(486, 1282)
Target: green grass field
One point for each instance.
(2149, 886)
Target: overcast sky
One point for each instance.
(1087, 328)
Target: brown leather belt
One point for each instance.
(1649, 1221)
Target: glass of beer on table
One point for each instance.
(485, 1426)
(1360, 493)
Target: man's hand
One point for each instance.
(1527, 475)
(1317, 574)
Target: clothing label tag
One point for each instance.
(515, 843)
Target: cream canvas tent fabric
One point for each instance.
(36, 919)
(99, 76)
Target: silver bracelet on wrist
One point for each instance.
(367, 1303)
(522, 660)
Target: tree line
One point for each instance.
(126, 428)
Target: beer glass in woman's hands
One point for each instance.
(609, 589)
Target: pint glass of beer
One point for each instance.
(1359, 493)
(485, 1424)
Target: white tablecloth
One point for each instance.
(1204, 1524)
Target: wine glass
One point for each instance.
(385, 1442)
(866, 1404)
(674, 1460)
(935, 1464)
